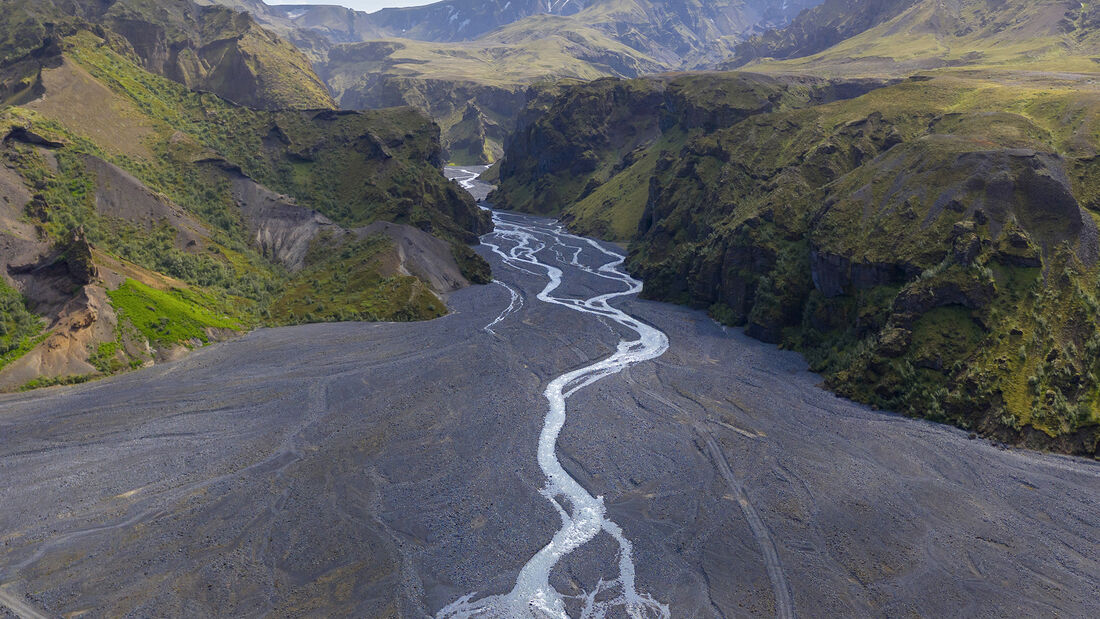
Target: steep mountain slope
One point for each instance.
(586, 151)
(141, 218)
(687, 33)
(314, 29)
(819, 28)
(931, 246)
(468, 63)
(474, 90)
(673, 28)
(899, 36)
(465, 20)
(203, 47)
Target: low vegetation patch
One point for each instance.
(20, 330)
(169, 317)
(56, 381)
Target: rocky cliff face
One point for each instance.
(360, 167)
(475, 117)
(935, 259)
(575, 140)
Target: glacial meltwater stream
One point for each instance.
(583, 516)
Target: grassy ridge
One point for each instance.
(958, 323)
(590, 149)
(892, 37)
(354, 168)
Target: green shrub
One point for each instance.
(20, 330)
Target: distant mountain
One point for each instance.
(929, 244)
(886, 37)
(313, 28)
(673, 31)
(465, 20)
(467, 63)
(683, 27)
(819, 28)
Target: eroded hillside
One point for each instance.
(161, 218)
(892, 37)
(930, 246)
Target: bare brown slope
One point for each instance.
(121, 196)
(112, 122)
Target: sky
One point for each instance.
(362, 5)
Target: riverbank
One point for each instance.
(390, 469)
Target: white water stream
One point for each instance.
(464, 176)
(583, 516)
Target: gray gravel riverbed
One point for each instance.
(377, 470)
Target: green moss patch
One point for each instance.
(20, 330)
(168, 317)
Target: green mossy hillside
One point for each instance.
(354, 167)
(927, 246)
(586, 151)
(20, 329)
(930, 246)
(165, 184)
(472, 266)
